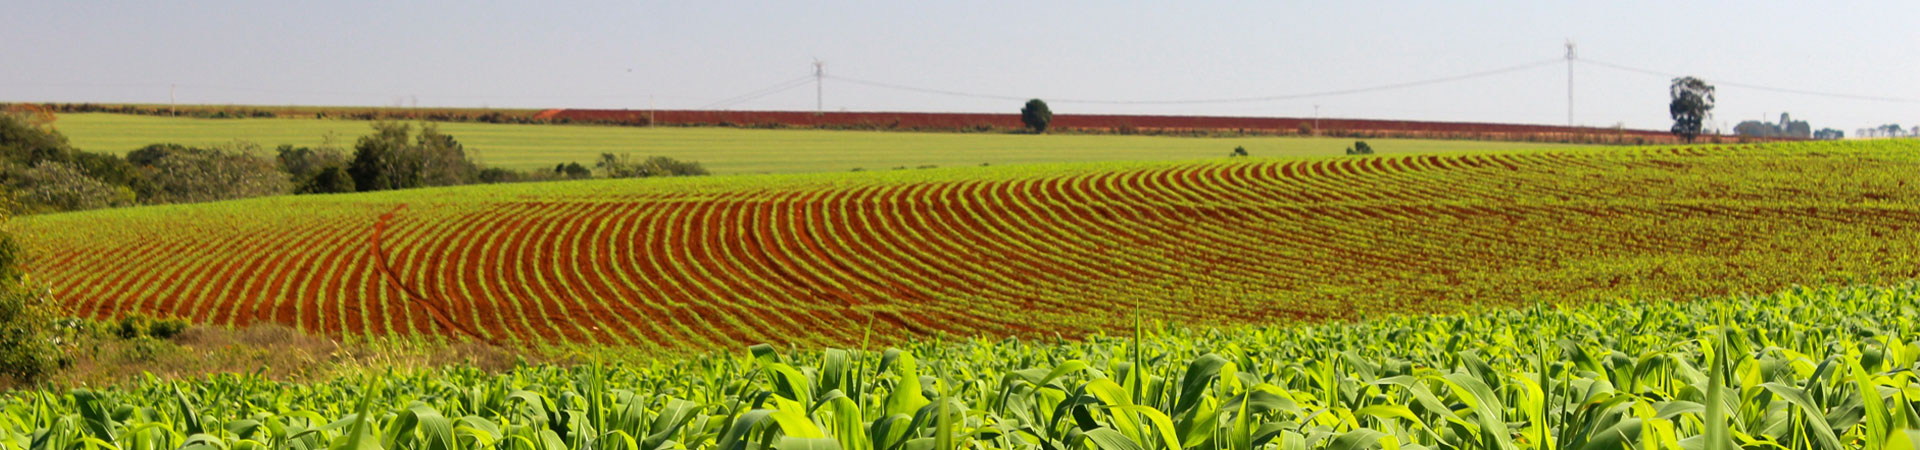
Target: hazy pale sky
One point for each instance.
(697, 54)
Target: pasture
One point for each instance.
(732, 150)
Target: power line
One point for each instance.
(763, 92)
(1752, 86)
(202, 87)
(1269, 98)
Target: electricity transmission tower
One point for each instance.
(1569, 82)
(819, 93)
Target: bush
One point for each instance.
(131, 326)
(110, 169)
(1360, 148)
(136, 325)
(573, 171)
(55, 186)
(179, 174)
(30, 338)
(393, 158)
(305, 162)
(25, 140)
(330, 180)
(1238, 151)
(30, 341)
(622, 166)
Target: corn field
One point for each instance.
(1812, 368)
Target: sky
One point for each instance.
(711, 54)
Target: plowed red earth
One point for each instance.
(721, 262)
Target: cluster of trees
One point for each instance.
(40, 172)
(1787, 128)
(1889, 130)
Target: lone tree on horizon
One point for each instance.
(1692, 100)
(1036, 115)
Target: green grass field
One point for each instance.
(730, 150)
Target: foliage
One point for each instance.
(622, 166)
(1692, 101)
(395, 158)
(304, 162)
(1238, 151)
(180, 174)
(30, 346)
(111, 169)
(1360, 148)
(1036, 115)
(26, 140)
(1829, 134)
(492, 175)
(1825, 368)
(138, 325)
(329, 180)
(11, 257)
(573, 171)
(1787, 128)
(52, 186)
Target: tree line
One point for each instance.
(40, 172)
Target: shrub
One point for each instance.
(1305, 129)
(622, 166)
(1360, 148)
(136, 325)
(573, 170)
(26, 140)
(132, 326)
(178, 174)
(30, 339)
(329, 180)
(110, 169)
(166, 328)
(55, 186)
(304, 162)
(393, 158)
(1238, 151)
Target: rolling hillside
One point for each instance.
(1041, 250)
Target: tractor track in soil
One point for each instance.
(438, 311)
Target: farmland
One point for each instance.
(683, 265)
(729, 150)
(1113, 123)
(1809, 368)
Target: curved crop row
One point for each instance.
(1032, 251)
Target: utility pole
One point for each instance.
(1316, 119)
(172, 104)
(819, 93)
(649, 111)
(1569, 82)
